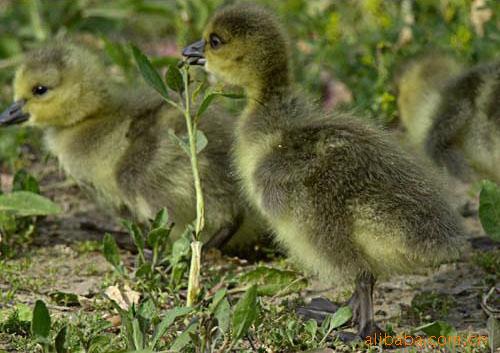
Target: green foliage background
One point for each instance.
(354, 41)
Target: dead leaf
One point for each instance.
(123, 297)
(479, 15)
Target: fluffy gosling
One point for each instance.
(340, 196)
(454, 115)
(113, 139)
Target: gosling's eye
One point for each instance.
(215, 41)
(39, 90)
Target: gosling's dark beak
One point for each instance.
(14, 114)
(194, 53)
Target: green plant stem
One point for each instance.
(192, 129)
(194, 273)
(195, 267)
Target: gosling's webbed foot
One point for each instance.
(318, 309)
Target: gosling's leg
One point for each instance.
(224, 234)
(362, 307)
(318, 309)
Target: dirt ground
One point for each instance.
(61, 258)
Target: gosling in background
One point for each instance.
(113, 139)
(341, 197)
(454, 115)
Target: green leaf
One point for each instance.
(339, 318)
(40, 324)
(137, 236)
(26, 203)
(437, 328)
(23, 181)
(63, 298)
(137, 335)
(117, 53)
(157, 236)
(184, 338)
(111, 252)
(207, 100)
(101, 344)
(180, 249)
(311, 326)
(149, 73)
(201, 141)
(161, 219)
(174, 79)
(183, 143)
(60, 341)
(218, 296)
(272, 281)
(223, 315)
(489, 209)
(244, 314)
(167, 321)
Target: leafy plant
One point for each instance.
(489, 209)
(41, 327)
(178, 82)
(19, 209)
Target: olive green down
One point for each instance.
(114, 140)
(455, 113)
(341, 196)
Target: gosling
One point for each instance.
(340, 196)
(452, 114)
(114, 140)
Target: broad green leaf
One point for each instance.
(63, 298)
(244, 314)
(184, 338)
(111, 252)
(101, 344)
(117, 53)
(207, 100)
(339, 318)
(137, 334)
(437, 328)
(26, 203)
(180, 248)
(164, 61)
(161, 219)
(137, 236)
(218, 296)
(144, 271)
(147, 310)
(489, 209)
(223, 315)
(22, 311)
(311, 326)
(183, 143)
(157, 235)
(201, 141)
(149, 73)
(272, 281)
(60, 340)
(174, 79)
(23, 181)
(166, 322)
(40, 324)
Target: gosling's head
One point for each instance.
(57, 85)
(244, 45)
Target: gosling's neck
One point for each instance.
(270, 84)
